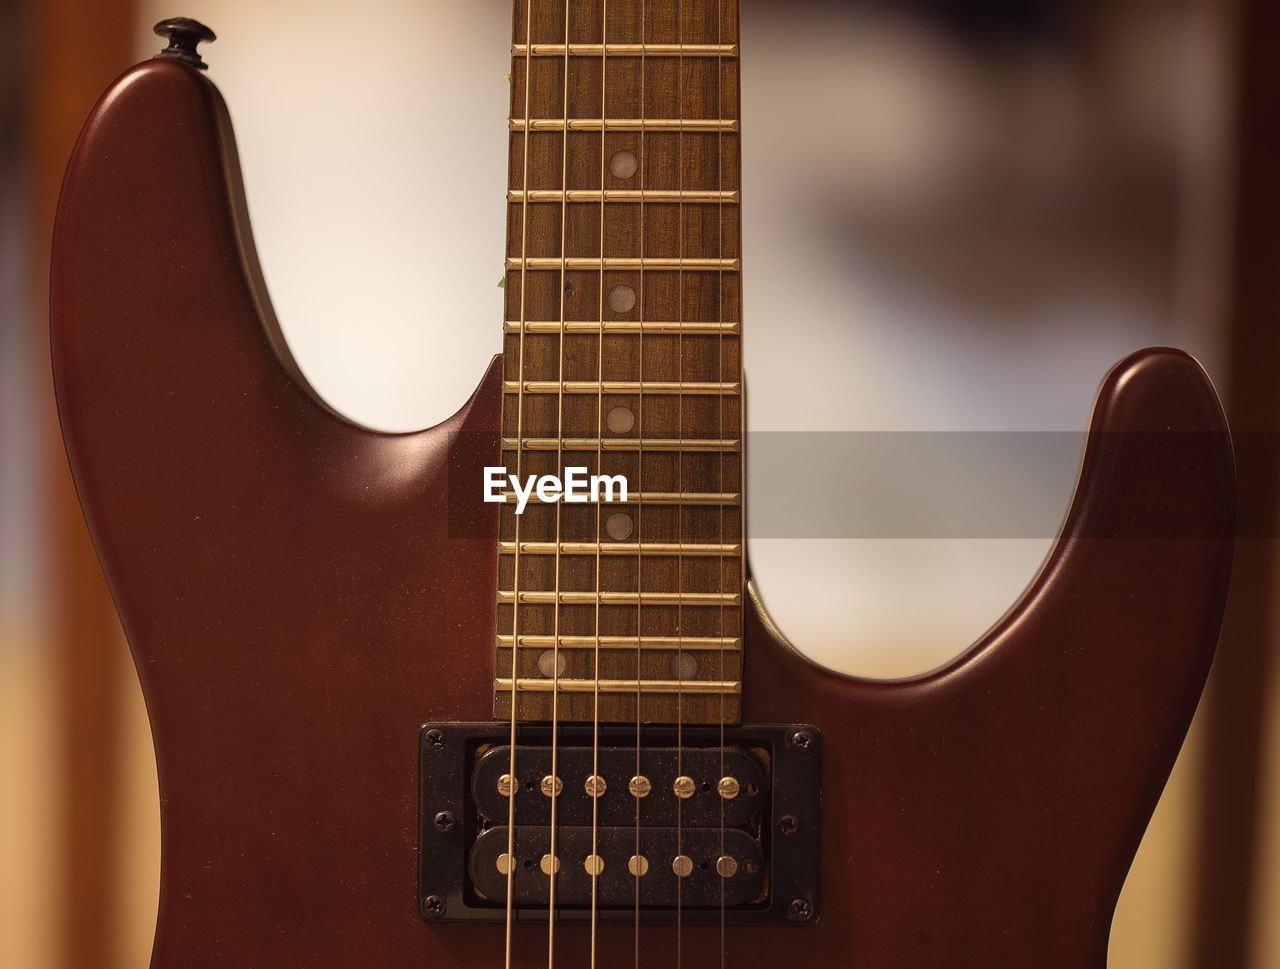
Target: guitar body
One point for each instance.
(301, 594)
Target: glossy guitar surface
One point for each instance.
(301, 594)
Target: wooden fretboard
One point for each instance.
(622, 355)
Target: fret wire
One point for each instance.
(613, 327)
(621, 444)
(532, 685)
(625, 124)
(626, 50)
(726, 549)
(624, 263)
(618, 387)
(654, 643)
(653, 498)
(568, 597)
(626, 195)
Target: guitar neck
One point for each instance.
(622, 356)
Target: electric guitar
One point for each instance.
(398, 724)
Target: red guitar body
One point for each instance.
(301, 594)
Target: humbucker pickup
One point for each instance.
(696, 821)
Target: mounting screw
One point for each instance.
(433, 907)
(435, 739)
(788, 824)
(801, 739)
(800, 910)
(445, 821)
(184, 36)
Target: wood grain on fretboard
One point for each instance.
(667, 91)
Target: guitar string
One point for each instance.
(639, 522)
(596, 794)
(515, 582)
(680, 654)
(553, 864)
(720, 427)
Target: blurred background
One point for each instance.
(958, 214)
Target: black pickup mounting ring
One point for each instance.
(784, 824)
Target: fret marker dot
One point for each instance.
(683, 666)
(638, 865)
(624, 164)
(619, 526)
(620, 420)
(549, 664)
(622, 298)
(682, 865)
